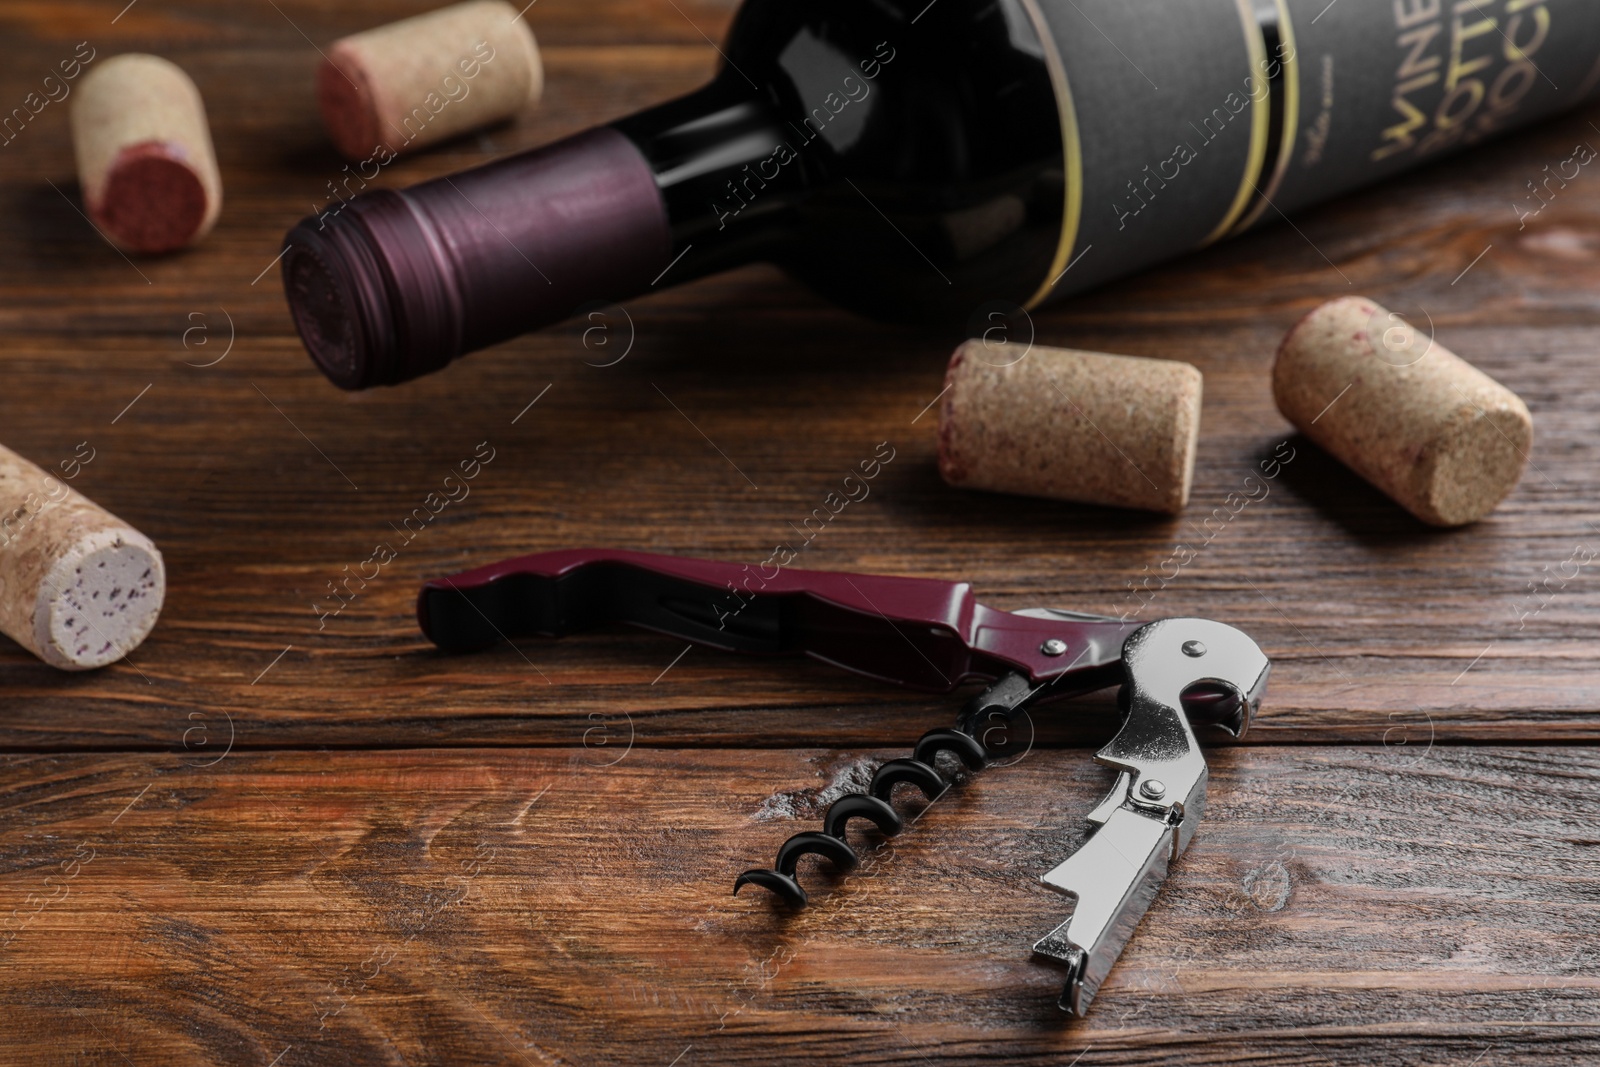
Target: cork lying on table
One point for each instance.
(145, 159)
(79, 588)
(1441, 438)
(1081, 426)
(422, 80)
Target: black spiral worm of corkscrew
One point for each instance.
(1006, 698)
(920, 770)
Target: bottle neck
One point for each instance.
(397, 283)
(728, 181)
(901, 167)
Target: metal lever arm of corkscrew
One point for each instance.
(1151, 812)
(918, 632)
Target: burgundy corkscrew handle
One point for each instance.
(917, 632)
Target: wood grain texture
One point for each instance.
(452, 906)
(1342, 904)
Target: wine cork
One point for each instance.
(422, 80)
(145, 159)
(1440, 437)
(79, 588)
(1068, 425)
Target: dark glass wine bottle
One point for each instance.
(925, 161)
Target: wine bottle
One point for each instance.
(920, 160)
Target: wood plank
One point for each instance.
(1354, 906)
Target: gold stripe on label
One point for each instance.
(1291, 117)
(1072, 149)
(1260, 121)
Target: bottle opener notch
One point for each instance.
(1150, 815)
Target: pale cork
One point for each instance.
(1443, 439)
(425, 79)
(79, 588)
(146, 163)
(1069, 425)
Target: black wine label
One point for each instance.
(1187, 120)
(1384, 85)
(1165, 120)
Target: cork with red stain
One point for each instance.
(79, 588)
(1087, 427)
(422, 80)
(146, 163)
(1438, 436)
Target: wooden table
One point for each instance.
(273, 837)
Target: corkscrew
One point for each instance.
(925, 634)
(920, 770)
